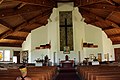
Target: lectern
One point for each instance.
(67, 64)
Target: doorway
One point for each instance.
(117, 54)
(17, 55)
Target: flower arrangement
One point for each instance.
(39, 60)
(1, 55)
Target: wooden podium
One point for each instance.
(67, 64)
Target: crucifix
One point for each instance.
(66, 31)
(66, 43)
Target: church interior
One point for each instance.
(59, 39)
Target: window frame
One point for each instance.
(3, 59)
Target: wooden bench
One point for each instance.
(95, 72)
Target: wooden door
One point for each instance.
(117, 54)
(17, 53)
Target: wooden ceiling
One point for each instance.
(19, 17)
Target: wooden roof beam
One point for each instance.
(115, 42)
(11, 44)
(16, 38)
(20, 5)
(110, 14)
(89, 14)
(21, 26)
(108, 28)
(1, 1)
(41, 3)
(13, 12)
(6, 24)
(116, 1)
(113, 24)
(63, 1)
(25, 30)
(5, 34)
(40, 16)
(114, 35)
(111, 2)
(90, 3)
(107, 18)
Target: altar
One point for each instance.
(67, 64)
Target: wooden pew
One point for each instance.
(90, 72)
(108, 77)
(38, 73)
(14, 78)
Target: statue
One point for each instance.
(46, 60)
(66, 57)
(95, 59)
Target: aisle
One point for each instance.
(67, 74)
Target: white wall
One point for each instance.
(93, 35)
(79, 33)
(107, 47)
(27, 46)
(53, 33)
(96, 36)
(39, 37)
(116, 46)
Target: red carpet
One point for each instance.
(67, 74)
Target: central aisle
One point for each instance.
(67, 74)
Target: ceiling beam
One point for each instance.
(26, 9)
(16, 38)
(6, 24)
(110, 14)
(113, 24)
(1, 1)
(63, 1)
(5, 34)
(115, 42)
(89, 2)
(114, 35)
(108, 28)
(11, 44)
(111, 2)
(21, 26)
(53, 1)
(43, 3)
(91, 15)
(40, 16)
(20, 5)
(99, 18)
(41, 23)
(104, 8)
(108, 17)
(25, 30)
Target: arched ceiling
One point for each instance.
(19, 17)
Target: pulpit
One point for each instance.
(67, 64)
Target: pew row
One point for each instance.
(99, 72)
(36, 73)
